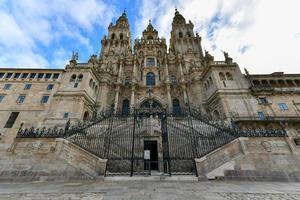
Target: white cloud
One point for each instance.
(261, 35)
(28, 27)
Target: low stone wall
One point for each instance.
(49, 158)
(253, 158)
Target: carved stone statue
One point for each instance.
(93, 59)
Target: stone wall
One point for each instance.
(259, 158)
(49, 158)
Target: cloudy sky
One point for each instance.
(261, 35)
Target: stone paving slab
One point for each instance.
(162, 190)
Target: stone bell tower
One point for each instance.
(183, 40)
(118, 40)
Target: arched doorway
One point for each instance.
(176, 107)
(86, 116)
(151, 103)
(125, 107)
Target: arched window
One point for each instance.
(229, 76)
(210, 81)
(93, 85)
(73, 78)
(121, 36)
(125, 107)
(113, 36)
(188, 34)
(222, 76)
(176, 107)
(150, 79)
(127, 81)
(96, 88)
(149, 37)
(91, 82)
(80, 77)
(173, 80)
(180, 34)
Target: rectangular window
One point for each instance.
(1, 75)
(24, 75)
(150, 62)
(75, 85)
(66, 115)
(263, 100)
(283, 106)
(7, 86)
(45, 99)
(11, 120)
(55, 76)
(48, 76)
(9, 75)
(17, 75)
(261, 115)
(40, 75)
(50, 87)
(1, 98)
(21, 99)
(27, 86)
(32, 75)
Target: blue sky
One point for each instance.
(261, 35)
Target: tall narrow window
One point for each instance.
(173, 80)
(7, 86)
(50, 87)
(11, 120)
(45, 99)
(55, 76)
(222, 76)
(261, 115)
(176, 107)
(9, 75)
(80, 77)
(1, 98)
(150, 79)
(1, 75)
(21, 99)
(125, 107)
(180, 34)
(27, 86)
(66, 115)
(24, 75)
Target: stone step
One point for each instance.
(154, 177)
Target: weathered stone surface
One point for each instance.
(49, 158)
(269, 159)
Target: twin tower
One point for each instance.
(169, 77)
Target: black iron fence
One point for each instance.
(179, 139)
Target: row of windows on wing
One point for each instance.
(175, 104)
(11, 75)
(27, 86)
(277, 83)
(21, 99)
(150, 80)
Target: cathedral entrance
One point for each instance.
(150, 155)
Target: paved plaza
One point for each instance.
(146, 190)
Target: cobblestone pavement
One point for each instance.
(146, 190)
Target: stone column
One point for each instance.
(167, 68)
(120, 72)
(117, 98)
(132, 98)
(169, 98)
(185, 97)
(181, 71)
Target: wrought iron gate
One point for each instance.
(120, 139)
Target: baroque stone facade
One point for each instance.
(123, 78)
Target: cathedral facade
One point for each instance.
(148, 75)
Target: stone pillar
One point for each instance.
(181, 71)
(132, 98)
(117, 98)
(185, 97)
(134, 69)
(169, 98)
(167, 68)
(120, 72)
